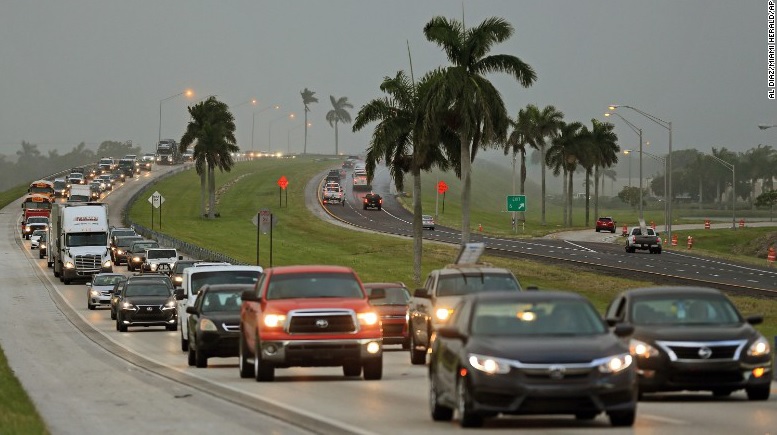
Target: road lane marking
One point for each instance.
(579, 246)
(662, 419)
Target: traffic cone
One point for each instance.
(771, 256)
(690, 242)
(480, 228)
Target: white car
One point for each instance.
(427, 222)
(160, 260)
(35, 238)
(98, 290)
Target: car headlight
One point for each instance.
(119, 252)
(642, 349)
(369, 318)
(178, 279)
(128, 306)
(69, 265)
(207, 325)
(136, 259)
(94, 293)
(489, 364)
(43, 246)
(759, 347)
(442, 314)
(107, 263)
(274, 320)
(169, 305)
(153, 267)
(615, 364)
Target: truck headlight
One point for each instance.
(369, 318)
(207, 325)
(489, 364)
(178, 279)
(759, 347)
(69, 265)
(107, 264)
(153, 267)
(274, 320)
(615, 364)
(442, 314)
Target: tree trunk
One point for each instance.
(336, 150)
(569, 197)
(212, 192)
(596, 191)
(587, 195)
(564, 197)
(305, 148)
(700, 193)
(203, 191)
(466, 187)
(717, 194)
(523, 182)
(542, 166)
(418, 230)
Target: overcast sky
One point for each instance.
(87, 71)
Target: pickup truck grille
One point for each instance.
(322, 322)
(87, 262)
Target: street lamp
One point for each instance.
(288, 135)
(269, 128)
(733, 189)
(667, 125)
(765, 126)
(639, 133)
(187, 92)
(663, 160)
(253, 121)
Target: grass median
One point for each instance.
(300, 237)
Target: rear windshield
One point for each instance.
(464, 284)
(108, 279)
(161, 253)
(199, 279)
(314, 285)
(389, 296)
(148, 288)
(222, 301)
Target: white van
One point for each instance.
(195, 277)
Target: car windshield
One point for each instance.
(107, 279)
(74, 240)
(222, 301)
(126, 241)
(684, 310)
(551, 317)
(467, 283)
(161, 253)
(388, 295)
(141, 247)
(123, 233)
(181, 265)
(199, 279)
(148, 288)
(314, 285)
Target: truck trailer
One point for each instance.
(78, 239)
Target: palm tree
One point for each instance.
(338, 114)
(605, 149)
(402, 140)
(307, 98)
(545, 125)
(519, 139)
(469, 103)
(212, 131)
(562, 157)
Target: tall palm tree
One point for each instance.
(519, 139)
(470, 104)
(562, 157)
(338, 114)
(212, 131)
(307, 98)
(605, 148)
(403, 142)
(545, 125)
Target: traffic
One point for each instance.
(451, 344)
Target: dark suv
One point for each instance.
(373, 200)
(605, 224)
(136, 254)
(146, 301)
(433, 304)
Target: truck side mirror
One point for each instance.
(179, 295)
(421, 293)
(191, 310)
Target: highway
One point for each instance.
(86, 377)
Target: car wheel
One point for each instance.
(417, 357)
(246, 368)
(439, 412)
(191, 357)
(40, 255)
(613, 231)
(263, 370)
(89, 305)
(184, 342)
(622, 418)
(597, 230)
(120, 323)
(760, 392)
(172, 327)
(56, 274)
(373, 369)
(113, 316)
(352, 369)
(66, 281)
(406, 344)
(201, 359)
(467, 417)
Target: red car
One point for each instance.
(392, 302)
(605, 224)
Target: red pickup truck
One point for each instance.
(309, 316)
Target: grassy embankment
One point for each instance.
(17, 412)
(301, 238)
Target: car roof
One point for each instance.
(214, 268)
(672, 291)
(456, 269)
(384, 285)
(534, 296)
(279, 270)
(225, 287)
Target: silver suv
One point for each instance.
(433, 304)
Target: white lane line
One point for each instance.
(581, 247)
(662, 419)
(723, 263)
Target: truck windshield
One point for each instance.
(314, 285)
(74, 240)
(161, 253)
(461, 284)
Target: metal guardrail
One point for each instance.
(189, 249)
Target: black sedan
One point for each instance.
(146, 302)
(690, 338)
(531, 353)
(214, 323)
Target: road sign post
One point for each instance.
(283, 182)
(156, 200)
(516, 202)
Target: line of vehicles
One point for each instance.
(491, 346)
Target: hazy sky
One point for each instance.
(88, 71)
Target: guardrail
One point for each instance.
(189, 249)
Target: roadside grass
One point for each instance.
(17, 412)
(747, 245)
(302, 238)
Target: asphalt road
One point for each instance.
(85, 377)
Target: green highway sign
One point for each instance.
(516, 202)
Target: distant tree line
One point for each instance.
(31, 164)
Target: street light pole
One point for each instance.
(269, 130)
(253, 121)
(663, 160)
(188, 93)
(733, 189)
(667, 125)
(639, 133)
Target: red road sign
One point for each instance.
(283, 182)
(442, 187)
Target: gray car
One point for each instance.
(98, 290)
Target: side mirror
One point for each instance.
(180, 257)
(421, 293)
(623, 330)
(450, 332)
(179, 294)
(191, 310)
(755, 319)
(611, 321)
(249, 295)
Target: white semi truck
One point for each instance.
(79, 241)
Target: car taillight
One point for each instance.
(380, 201)
(633, 239)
